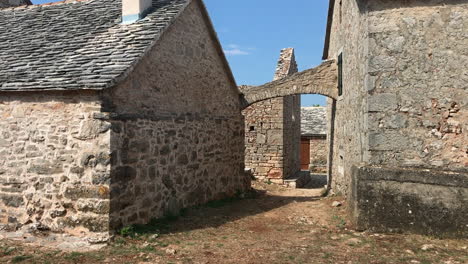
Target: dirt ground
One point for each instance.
(275, 225)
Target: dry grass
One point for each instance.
(277, 226)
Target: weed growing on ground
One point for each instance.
(6, 251)
(21, 258)
(339, 222)
(74, 256)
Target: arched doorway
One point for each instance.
(273, 119)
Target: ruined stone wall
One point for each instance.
(272, 129)
(177, 137)
(54, 163)
(348, 35)
(318, 154)
(417, 84)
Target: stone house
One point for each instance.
(272, 130)
(12, 3)
(314, 145)
(114, 113)
(400, 120)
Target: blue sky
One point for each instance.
(253, 32)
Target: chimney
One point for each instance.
(133, 10)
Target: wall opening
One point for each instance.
(286, 139)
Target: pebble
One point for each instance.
(426, 247)
(336, 204)
(171, 251)
(354, 241)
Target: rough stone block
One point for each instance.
(382, 102)
(388, 140)
(423, 201)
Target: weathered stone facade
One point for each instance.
(55, 162)
(318, 154)
(319, 80)
(272, 129)
(403, 108)
(169, 136)
(179, 141)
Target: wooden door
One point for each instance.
(305, 153)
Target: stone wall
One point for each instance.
(348, 36)
(402, 118)
(177, 137)
(271, 129)
(398, 199)
(292, 135)
(54, 163)
(321, 79)
(169, 136)
(318, 154)
(417, 84)
(264, 138)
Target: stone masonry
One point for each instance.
(314, 126)
(399, 136)
(87, 162)
(272, 129)
(318, 80)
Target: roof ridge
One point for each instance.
(41, 5)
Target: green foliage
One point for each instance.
(74, 256)
(21, 258)
(127, 231)
(5, 251)
(339, 221)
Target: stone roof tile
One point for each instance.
(313, 121)
(76, 44)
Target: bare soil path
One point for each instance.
(277, 225)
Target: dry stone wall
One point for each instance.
(399, 132)
(318, 154)
(417, 84)
(349, 135)
(177, 137)
(54, 163)
(272, 129)
(168, 137)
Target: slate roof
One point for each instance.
(313, 121)
(76, 44)
(8, 3)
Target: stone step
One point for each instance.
(299, 180)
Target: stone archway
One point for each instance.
(321, 80)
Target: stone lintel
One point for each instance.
(322, 79)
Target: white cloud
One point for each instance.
(235, 50)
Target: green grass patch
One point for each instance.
(74, 256)
(21, 258)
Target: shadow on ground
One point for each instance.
(317, 180)
(218, 213)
